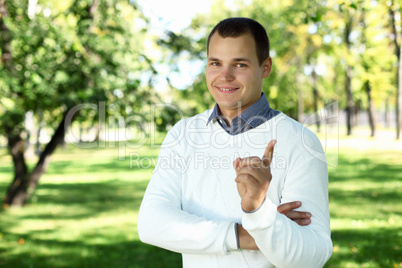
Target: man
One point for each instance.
(212, 198)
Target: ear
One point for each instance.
(266, 67)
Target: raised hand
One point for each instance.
(253, 178)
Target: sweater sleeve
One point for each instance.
(161, 220)
(282, 241)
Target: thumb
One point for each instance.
(269, 151)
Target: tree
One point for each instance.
(321, 53)
(89, 53)
(285, 24)
(393, 9)
(367, 84)
(348, 73)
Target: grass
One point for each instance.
(366, 213)
(84, 211)
(83, 214)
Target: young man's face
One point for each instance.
(234, 75)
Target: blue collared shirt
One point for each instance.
(258, 113)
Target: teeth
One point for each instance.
(227, 89)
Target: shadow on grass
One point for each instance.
(380, 247)
(363, 183)
(94, 198)
(366, 188)
(78, 202)
(366, 169)
(81, 254)
(382, 199)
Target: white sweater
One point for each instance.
(191, 204)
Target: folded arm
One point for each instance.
(284, 242)
(246, 241)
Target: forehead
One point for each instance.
(232, 47)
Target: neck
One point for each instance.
(229, 114)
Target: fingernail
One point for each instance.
(306, 221)
(298, 203)
(308, 214)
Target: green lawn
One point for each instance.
(84, 211)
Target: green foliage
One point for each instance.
(166, 116)
(72, 53)
(304, 35)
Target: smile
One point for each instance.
(227, 89)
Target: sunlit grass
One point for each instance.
(84, 212)
(366, 215)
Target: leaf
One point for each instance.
(353, 5)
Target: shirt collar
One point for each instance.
(250, 115)
(214, 114)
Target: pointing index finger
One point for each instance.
(269, 151)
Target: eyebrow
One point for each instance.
(235, 59)
(241, 59)
(213, 59)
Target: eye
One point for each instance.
(215, 63)
(241, 65)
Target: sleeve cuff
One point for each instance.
(237, 236)
(264, 216)
(231, 240)
(254, 209)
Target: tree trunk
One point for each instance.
(398, 52)
(24, 184)
(399, 98)
(315, 98)
(348, 74)
(350, 107)
(16, 147)
(370, 108)
(356, 110)
(367, 83)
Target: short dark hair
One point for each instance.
(234, 27)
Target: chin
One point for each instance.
(230, 106)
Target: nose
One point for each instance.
(227, 74)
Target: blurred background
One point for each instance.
(89, 88)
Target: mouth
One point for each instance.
(226, 89)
